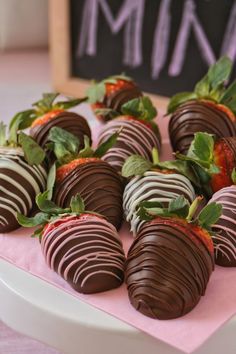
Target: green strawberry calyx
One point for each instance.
(211, 87)
(23, 120)
(97, 91)
(180, 208)
(136, 165)
(33, 153)
(140, 108)
(49, 211)
(66, 145)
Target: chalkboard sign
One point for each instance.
(166, 45)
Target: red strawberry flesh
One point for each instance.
(66, 169)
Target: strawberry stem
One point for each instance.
(193, 208)
(155, 156)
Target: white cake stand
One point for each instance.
(35, 308)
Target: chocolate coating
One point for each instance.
(100, 187)
(86, 251)
(224, 237)
(167, 271)
(156, 187)
(72, 122)
(194, 116)
(19, 185)
(135, 138)
(119, 97)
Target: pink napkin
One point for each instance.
(186, 333)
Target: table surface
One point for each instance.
(42, 311)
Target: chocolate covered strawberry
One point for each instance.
(81, 246)
(22, 176)
(83, 171)
(215, 159)
(139, 133)
(210, 108)
(49, 112)
(154, 182)
(171, 260)
(111, 93)
(225, 228)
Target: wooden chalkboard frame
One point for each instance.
(59, 39)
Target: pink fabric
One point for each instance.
(186, 333)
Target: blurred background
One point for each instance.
(23, 24)
(24, 73)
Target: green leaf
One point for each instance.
(150, 204)
(233, 176)
(66, 145)
(228, 94)
(33, 153)
(48, 206)
(179, 206)
(20, 121)
(194, 159)
(135, 165)
(3, 140)
(202, 147)
(38, 219)
(46, 103)
(70, 103)
(51, 181)
(209, 215)
(107, 112)
(20, 117)
(96, 92)
(202, 88)
(229, 97)
(219, 72)
(108, 144)
(77, 204)
(87, 151)
(38, 233)
(143, 214)
(179, 99)
(183, 167)
(140, 107)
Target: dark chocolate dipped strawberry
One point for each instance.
(217, 159)
(171, 260)
(83, 171)
(49, 112)
(155, 182)
(111, 93)
(81, 246)
(224, 237)
(139, 133)
(210, 108)
(22, 176)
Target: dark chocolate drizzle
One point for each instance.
(72, 122)
(99, 185)
(19, 184)
(167, 271)
(135, 138)
(197, 116)
(86, 252)
(224, 236)
(120, 97)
